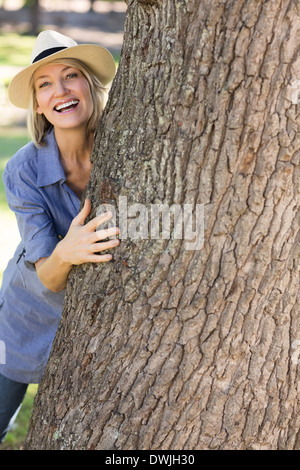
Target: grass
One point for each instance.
(15, 50)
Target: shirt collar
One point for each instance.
(50, 169)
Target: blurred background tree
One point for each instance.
(34, 6)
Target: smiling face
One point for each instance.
(63, 96)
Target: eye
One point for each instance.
(72, 75)
(44, 84)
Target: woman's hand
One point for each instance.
(82, 244)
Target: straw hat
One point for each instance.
(52, 45)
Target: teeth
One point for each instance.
(66, 105)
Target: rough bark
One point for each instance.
(169, 348)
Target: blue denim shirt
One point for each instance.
(44, 206)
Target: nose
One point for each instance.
(60, 88)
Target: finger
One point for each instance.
(100, 235)
(80, 218)
(97, 247)
(99, 258)
(106, 233)
(93, 224)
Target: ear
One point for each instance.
(36, 106)
(38, 109)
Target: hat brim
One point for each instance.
(99, 59)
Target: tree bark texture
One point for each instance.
(169, 348)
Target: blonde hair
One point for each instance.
(38, 125)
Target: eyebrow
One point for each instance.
(40, 77)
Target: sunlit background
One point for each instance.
(86, 21)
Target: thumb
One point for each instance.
(80, 218)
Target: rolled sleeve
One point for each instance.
(42, 249)
(34, 220)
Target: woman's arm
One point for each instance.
(80, 245)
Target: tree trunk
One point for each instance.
(170, 347)
(34, 6)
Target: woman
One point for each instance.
(63, 89)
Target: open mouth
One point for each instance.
(66, 106)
